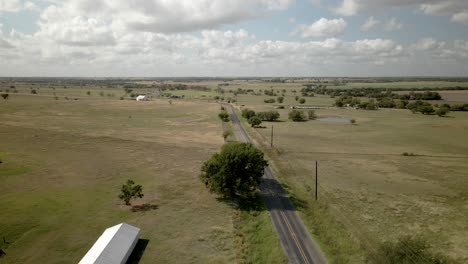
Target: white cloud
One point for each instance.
(10, 5)
(347, 8)
(31, 6)
(321, 28)
(393, 25)
(370, 23)
(461, 17)
(427, 44)
(456, 9)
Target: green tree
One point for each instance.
(268, 116)
(302, 100)
(296, 98)
(227, 133)
(442, 111)
(5, 96)
(247, 113)
(254, 121)
(280, 99)
(311, 114)
(224, 116)
(130, 191)
(297, 116)
(236, 170)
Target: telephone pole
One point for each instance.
(316, 180)
(271, 141)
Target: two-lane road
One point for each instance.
(297, 244)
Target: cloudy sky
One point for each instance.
(121, 38)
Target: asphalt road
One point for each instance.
(297, 244)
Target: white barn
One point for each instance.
(142, 98)
(114, 246)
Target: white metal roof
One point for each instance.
(114, 245)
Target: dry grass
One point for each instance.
(76, 155)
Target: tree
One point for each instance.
(302, 100)
(280, 99)
(88, 93)
(247, 113)
(224, 116)
(130, 191)
(311, 114)
(297, 116)
(5, 96)
(227, 133)
(254, 121)
(268, 116)
(426, 109)
(442, 111)
(296, 98)
(236, 170)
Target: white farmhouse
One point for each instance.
(142, 98)
(114, 246)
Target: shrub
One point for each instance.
(311, 114)
(269, 101)
(268, 116)
(442, 111)
(406, 250)
(227, 133)
(280, 99)
(352, 121)
(33, 91)
(297, 116)
(247, 113)
(302, 100)
(254, 121)
(5, 96)
(130, 191)
(224, 116)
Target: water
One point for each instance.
(335, 119)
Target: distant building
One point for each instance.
(114, 246)
(142, 98)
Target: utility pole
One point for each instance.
(271, 142)
(316, 180)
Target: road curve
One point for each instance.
(297, 244)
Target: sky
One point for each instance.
(230, 38)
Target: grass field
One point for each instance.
(373, 192)
(63, 163)
(402, 84)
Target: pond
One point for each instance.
(335, 119)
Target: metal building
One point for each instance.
(114, 246)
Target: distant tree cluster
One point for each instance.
(356, 102)
(255, 119)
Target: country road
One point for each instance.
(297, 244)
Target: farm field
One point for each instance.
(365, 182)
(402, 84)
(63, 163)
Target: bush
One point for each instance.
(5, 96)
(247, 113)
(352, 121)
(130, 191)
(442, 111)
(302, 100)
(311, 114)
(406, 250)
(121, 98)
(224, 116)
(88, 93)
(227, 133)
(33, 91)
(269, 101)
(268, 116)
(280, 99)
(297, 116)
(254, 121)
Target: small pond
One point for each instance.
(335, 119)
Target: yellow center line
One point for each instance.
(294, 237)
